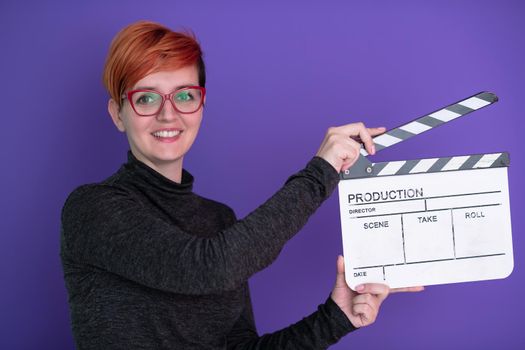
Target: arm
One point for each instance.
(344, 311)
(316, 331)
(105, 227)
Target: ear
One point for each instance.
(114, 112)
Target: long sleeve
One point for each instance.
(105, 226)
(317, 331)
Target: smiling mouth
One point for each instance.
(167, 133)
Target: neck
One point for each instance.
(171, 170)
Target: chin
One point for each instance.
(166, 159)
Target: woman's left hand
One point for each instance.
(361, 306)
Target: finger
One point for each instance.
(373, 288)
(376, 131)
(340, 265)
(372, 131)
(365, 137)
(381, 290)
(366, 312)
(361, 133)
(368, 140)
(352, 129)
(362, 309)
(340, 278)
(348, 163)
(352, 149)
(407, 289)
(367, 298)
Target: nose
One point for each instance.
(168, 112)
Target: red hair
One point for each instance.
(148, 47)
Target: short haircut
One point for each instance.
(147, 47)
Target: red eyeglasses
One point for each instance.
(147, 103)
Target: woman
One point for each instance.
(148, 263)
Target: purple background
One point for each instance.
(280, 73)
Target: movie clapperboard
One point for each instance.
(427, 221)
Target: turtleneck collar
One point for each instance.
(157, 181)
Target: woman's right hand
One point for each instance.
(341, 145)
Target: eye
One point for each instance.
(146, 98)
(184, 96)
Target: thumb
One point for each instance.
(340, 279)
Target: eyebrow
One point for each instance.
(154, 88)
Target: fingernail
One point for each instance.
(373, 149)
(360, 288)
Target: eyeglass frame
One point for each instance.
(164, 98)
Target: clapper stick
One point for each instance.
(432, 120)
(363, 167)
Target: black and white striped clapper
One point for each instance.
(427, 221)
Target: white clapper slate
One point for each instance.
(427, 221)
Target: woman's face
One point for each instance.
(164, 149)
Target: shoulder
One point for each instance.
(90, 198)
(91, 193)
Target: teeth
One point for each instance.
(166, 133)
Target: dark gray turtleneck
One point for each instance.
(149, 264)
